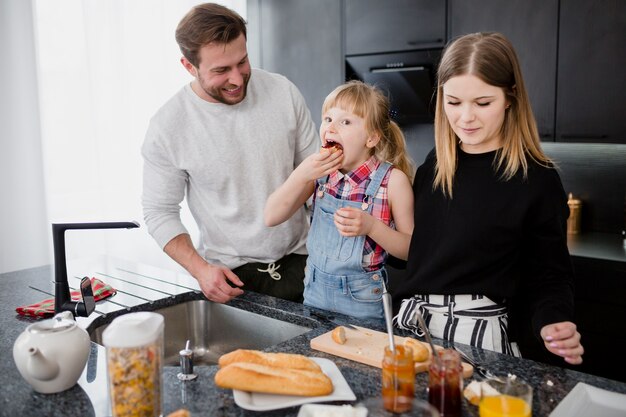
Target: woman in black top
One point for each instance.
(490, 213)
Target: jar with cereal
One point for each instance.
(134, 350)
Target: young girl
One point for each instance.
(362, 202)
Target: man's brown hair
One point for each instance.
(206, 23)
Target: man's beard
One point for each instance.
(218, 94)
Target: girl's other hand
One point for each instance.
(351, 221)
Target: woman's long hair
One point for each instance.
(490, 57)
(369, 103)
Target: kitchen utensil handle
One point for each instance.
(387, 310)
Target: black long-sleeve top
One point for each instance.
(503, 239)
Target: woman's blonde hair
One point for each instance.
(369, 103)
(490, 57)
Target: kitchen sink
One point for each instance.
(215, 329)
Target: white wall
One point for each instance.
(70, 146)
(24, 230)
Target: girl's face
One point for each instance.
(475, 111)
(348, 130)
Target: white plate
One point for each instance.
(311, 410)
(586, 400)
(261, 402)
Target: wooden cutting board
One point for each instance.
(363, 345)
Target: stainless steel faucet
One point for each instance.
(62, 298)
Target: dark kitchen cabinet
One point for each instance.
(374, 26)
(301, 40)
(600, 312)
(591, 82)
(531, 26)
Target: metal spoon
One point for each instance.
(422, 324)
(387, 310)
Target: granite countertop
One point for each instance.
(201, 396)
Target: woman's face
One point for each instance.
(475, 111)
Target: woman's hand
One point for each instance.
(353, 222)
(563, 339)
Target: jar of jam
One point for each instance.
(445, 383)
(398, 379)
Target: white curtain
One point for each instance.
(104, 68)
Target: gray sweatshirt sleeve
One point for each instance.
(163, 190)
(307, 138)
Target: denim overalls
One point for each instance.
(335, 279)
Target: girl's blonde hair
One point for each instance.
(369, 103)
(490, 57)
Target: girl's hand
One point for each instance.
(563, 339)
(351, 221)
(318, 165)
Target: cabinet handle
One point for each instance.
(429, 42)
(398, 69)
(577, 136)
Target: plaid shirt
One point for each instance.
(352, 187)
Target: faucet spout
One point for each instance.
(62, 297)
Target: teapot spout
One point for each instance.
(39, 367)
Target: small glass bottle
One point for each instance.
(445, 383)
(575, 209)
(398, 379)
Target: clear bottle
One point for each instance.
(398, 379)
(445, 383)
(134, 345)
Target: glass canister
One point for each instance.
(398, 379)
(134, 346)
(445, 383)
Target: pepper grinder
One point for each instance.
(573, 221)
(186, 364)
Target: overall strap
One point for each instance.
(322, 181)
(377, 179)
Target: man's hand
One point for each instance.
(213, 279)
(213, 282)
(563, 339)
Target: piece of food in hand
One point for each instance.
(420, 352)
(332, 146)
(474, 390)
(279, 360)
(179, 413)
(253, 377)
(339, 335)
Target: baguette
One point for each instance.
(271, 380)
(420, 351)
(278, 360)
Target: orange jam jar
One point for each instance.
(398, 379)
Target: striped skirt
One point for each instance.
(470, 319)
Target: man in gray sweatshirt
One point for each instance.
(226, 141)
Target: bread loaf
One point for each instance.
(475, 389)
(272, 380)
(339, 335)
(420, 352)
(279, 360)
(181, 412)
